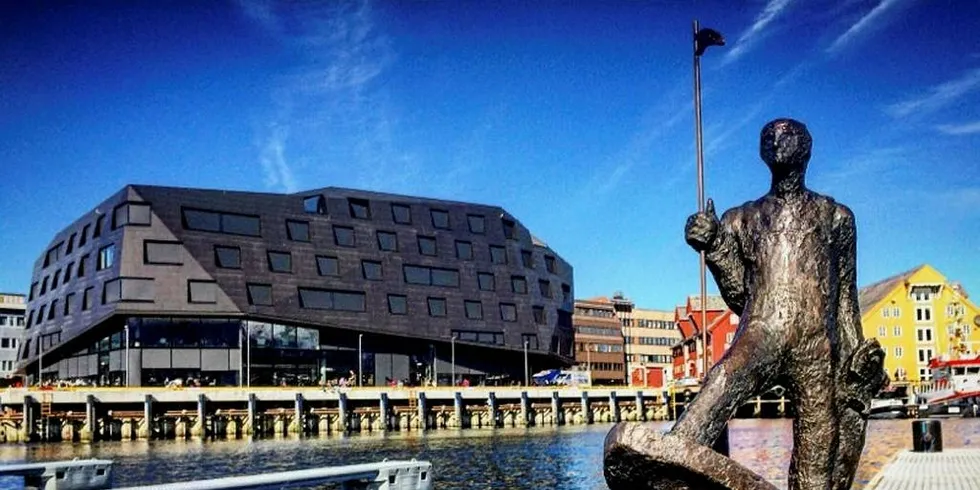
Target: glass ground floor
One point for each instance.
(158, 351)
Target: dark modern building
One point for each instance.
(158, 284)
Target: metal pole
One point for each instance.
(588, 360)
(452, 344)
(248, 360)
(126, 331)
(700, 160)
(360, 374)
(40, 359)
(526, 373)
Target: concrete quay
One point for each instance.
(92, 414)
(952, 469)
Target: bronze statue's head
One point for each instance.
(785, 146)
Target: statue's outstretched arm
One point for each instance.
(725, 260)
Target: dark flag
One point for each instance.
(705, 38)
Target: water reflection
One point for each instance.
(560, 458)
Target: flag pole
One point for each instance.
(700, 159)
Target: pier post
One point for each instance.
(492, 404)
(253, 412)
(385, 417)
(586, 411)
(297, 426)
(641, 415)
(458, 407)
(423, 413)
(557, 415)
(90, 429)
(927, 436)
(198, 429)
(344, 413)
(145, 429)
(613, 407)
(27, 429)
(525, 409)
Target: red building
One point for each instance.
(721, 322)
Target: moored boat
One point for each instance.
(954, 390)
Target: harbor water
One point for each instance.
(564, 458)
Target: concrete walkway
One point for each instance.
(952, 469)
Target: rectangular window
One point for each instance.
(527, 259)
(83, 238)
(397, 304)
(477, 223)
(69, 269)
(510, 229)
(54, 280)
(898, 352)
(315, 204)
(326, 299)
(131, 214)
(427, 246)
(40, 315)
(518, 284)
(549, 264)
(925, 355)
(897, 331)
(53, 309)
(882, 331)
(884, 312)
(259, 294)
(437, 306)
(498, 255)
(327, 266)
(221, 222)
(359, 208)
(417, 275)
(474, 310)
(924, 334)
(464, 250)
(545, 288)
(371, 270)
(539, 317)
(202, 291)
(440, 219)
(87, 298)
(111, 292)
(71, 244)
(343, 236)
(81, 265)
(69, 303)
(445, 278)
(486, 282)
(162, 253)
(99, 222)
(107, 257)
(508, 312)
(298, 231)
(135, 289)
(240, 224)
(227, 257)
(280, 262)
(401, 213)
(387, 241)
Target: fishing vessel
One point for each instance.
(955, 387)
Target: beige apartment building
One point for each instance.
(649, 336)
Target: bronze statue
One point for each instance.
(785, 263)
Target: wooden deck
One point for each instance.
(952, 469)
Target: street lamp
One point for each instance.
(452, 344)
(360, 359)
(588, 361)
(526, 373)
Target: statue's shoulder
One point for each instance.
(839, 210)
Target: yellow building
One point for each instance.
(919, 315)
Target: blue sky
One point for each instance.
(576, 119)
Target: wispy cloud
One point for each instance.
(871, 20)
(960, 129)
(278, 174)
(332, 108)
(937, 96)
(860, 168)
(748, 38)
